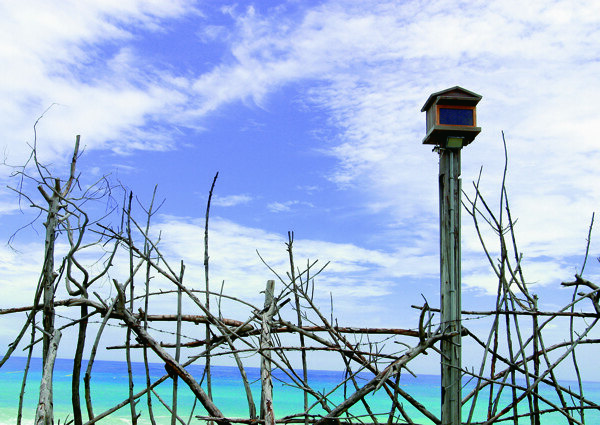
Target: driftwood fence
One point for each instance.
(515, 358)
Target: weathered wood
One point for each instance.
(266, 400)
(379, 379)
(87, 377)
(44, 414)
(178, 349)
(450, 290)
(248, 330)
(70, 302)
(295, 280)
(517, 313)
(207, 330)
(48, 273)
(594, 296)
(77, 358)
(171, 366)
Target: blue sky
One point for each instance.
(310, 112)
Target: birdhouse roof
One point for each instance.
(455, 92)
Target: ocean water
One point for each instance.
(109, 387)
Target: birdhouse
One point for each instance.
(451, 118)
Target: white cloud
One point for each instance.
(287, 206)
(535, 71)
(7, 207)
(20, 272)
(537, 274)
(233, 259)
(369, 66)
(52, 54)
(231, 200)
(280, 207)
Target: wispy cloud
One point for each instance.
(287, 206)
(57, 53)
(234, 259)
(369, 66)
(231, 200)
(373, 66)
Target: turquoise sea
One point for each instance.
(110, 387)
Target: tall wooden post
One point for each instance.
(450, 205)
(451, 124)
(266, 399)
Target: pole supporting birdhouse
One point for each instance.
(451, 125)
(450, 284)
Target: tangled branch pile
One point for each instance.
(128, 258)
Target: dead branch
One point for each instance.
(171, 366)
(380, 378)
(44, 414)
(519, 312)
